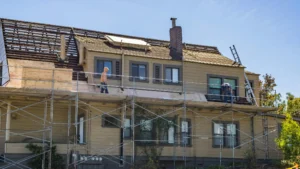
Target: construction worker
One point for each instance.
(226, 92)
(103, 80)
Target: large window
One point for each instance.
(81, 130)
(215, 90)
(101, 64)
(172, 74)
(225, 134)
(166, 131)
(139, 71)
(186, 132)
(147, 132)
(114, 66)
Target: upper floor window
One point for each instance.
(215, 90)
(114, 66)
(139, 71)
(225, 134)
(172, 74)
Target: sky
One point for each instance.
(266, 33)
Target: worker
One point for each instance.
(103, 80)
(226, 92)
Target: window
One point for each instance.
(167, 134)
(139, 71)
(81, 130)
(111, 121)
(215, 90)
(101, 64)
(185, 132)
(146, 133)
(171, 74)
(225, 134)
(157, 73)
(114, 66)
(127, 128)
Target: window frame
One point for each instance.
(155, 79)
(113, 67)
(118, 125)
(225, 145)
(138, 134)
(189, 132)
(175, 135)
(84, 129)
(237, 94)
(179, 74)
(146, 64)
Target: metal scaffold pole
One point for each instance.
(133, 122)
(51, 122)
(76, 117)
(44, 136)
(184, 116)
(68, 139)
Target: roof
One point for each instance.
(158, 52)
(251, 73)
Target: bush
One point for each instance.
(57, 161)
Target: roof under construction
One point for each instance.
(41, 42)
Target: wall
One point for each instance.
(36, 74)
(195, 74)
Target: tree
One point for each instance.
(268, 94)
(289, 139)
(293, 105)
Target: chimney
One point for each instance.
(176, 41)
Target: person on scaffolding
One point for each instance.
(226, 92)
(103, 80)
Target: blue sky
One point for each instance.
(266, 33)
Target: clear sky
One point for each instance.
(265, 32)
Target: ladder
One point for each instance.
(247, 85)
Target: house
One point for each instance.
(50, 92)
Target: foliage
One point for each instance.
(289, 140)
(36, 163)
(152, 149)
(269, 97)
(293, 105)
(250, 159)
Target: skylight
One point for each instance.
(127, 42)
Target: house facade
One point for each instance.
(164, 94)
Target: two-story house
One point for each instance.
(50, 77)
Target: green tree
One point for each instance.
(268, 94)
(293, 105)
(289, 139)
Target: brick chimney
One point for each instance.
(176, 41)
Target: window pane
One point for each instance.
(109, 65)
(127, 128)
(218, 128)
(214, 82)
(146, 125)
(184, 126)
(231, 129)
(175, 75)
(135, 70)
(232, 82)
(110, 121)
(142, 72)
(81, 131)
(218, 140)
(231, 141)
(171, 135)
(184, 138)
(100, 66)
(168, 77)
(215, 94)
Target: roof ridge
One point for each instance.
(149, 40)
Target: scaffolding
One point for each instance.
(79, 99)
